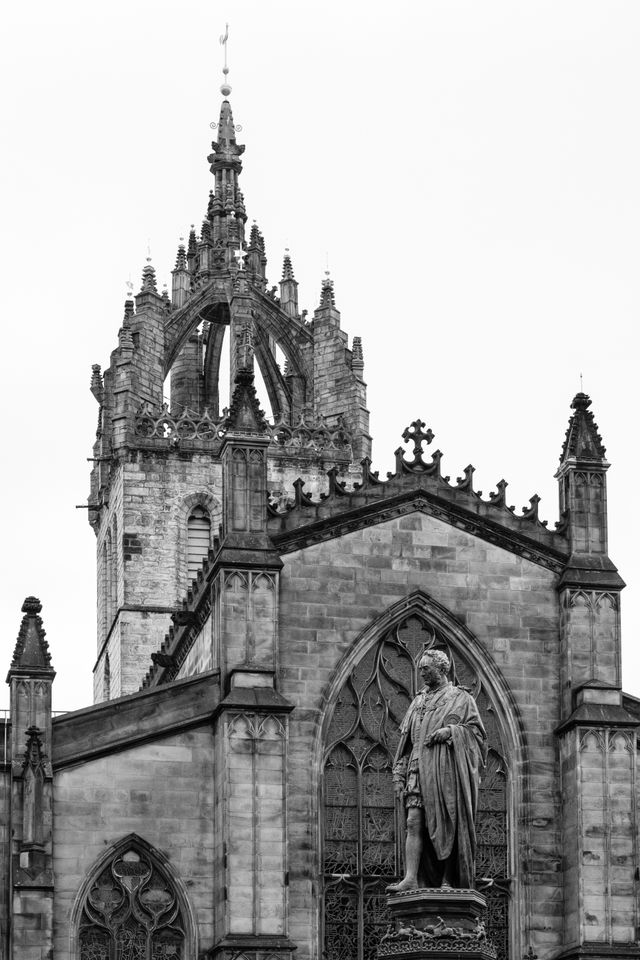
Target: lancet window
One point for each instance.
(363, 823)
(131, 911)
(106, 684)
(198, 540)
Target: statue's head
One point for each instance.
(434, 666)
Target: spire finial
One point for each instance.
(225, 89)
(149, 275)
(287, 266)
(327, 295)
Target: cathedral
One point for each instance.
(264, 598)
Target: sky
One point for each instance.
(467, 170)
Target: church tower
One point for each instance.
(155, 500)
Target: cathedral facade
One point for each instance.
(264, 598)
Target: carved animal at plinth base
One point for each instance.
(436, 922)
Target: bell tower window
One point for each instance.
(198, 540)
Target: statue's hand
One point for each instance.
(439, 736)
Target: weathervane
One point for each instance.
(225, 88)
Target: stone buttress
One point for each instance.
(30, 679)
(251, 726)
(597, 735)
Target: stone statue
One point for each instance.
(441, 752)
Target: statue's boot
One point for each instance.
(409, 883)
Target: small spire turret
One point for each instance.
(149, 278)
(31, 654)
(327, 294)
(288, 287)
(181, 256)
(256, 257)
(180, 279)
(582, 439)
(287, 267)
(192, 248)
(583, 487)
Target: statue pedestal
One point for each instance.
(437, 922)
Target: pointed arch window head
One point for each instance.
(198, 540)
(362, 822)
(132, 911)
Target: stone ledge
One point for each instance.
(147, 715)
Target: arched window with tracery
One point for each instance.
(130, 910)
(363, 824)
(198, 540)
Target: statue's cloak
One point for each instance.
(450, 774)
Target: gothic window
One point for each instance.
(363, 824)
(131, 911)
(198, 540)
(114, 567)
(105, 588)
(109, 583)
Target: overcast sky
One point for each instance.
(470, 169)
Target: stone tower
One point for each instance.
(156, 486)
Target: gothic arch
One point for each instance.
(182, 511)
(129, 870)
(286, 331)
(360, 838)
(420, 603)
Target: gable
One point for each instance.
(535, 545)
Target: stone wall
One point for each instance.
(5, 839)
(162, 791)
(332, 591)
(151, 497)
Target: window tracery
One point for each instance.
(363, 824)
(131, 912)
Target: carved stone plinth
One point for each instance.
(437, 922)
